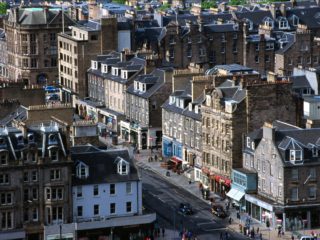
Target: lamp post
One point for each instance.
(60, 231)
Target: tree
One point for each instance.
(119, 1)
(237, 2)
(165, 7)
(208, 4)
(3, 8)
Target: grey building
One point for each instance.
(143, 108)
(181, 140)
(286, 164)
(35, 180)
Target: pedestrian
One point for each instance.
(226, 236)
(163, 231)
(156, 157)
(292, 237)
(260, 236)
(258, 230)
(158, 231)
(279, 232)
(221, 236)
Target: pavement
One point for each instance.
(183, 181)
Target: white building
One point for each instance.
(107, 196)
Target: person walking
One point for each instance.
(292, 237)
(163, 231)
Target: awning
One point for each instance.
(235, 194)
(175, 160)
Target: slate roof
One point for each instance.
(308, 16)
(288, 39)
(156, 78)
(103, 168)
(220, 28)
(300, 82)
(38, 16)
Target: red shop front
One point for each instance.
(220, 184)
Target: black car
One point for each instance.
(185, 208)
(218, 211)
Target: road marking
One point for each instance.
(205, 223)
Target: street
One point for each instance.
(163, 197)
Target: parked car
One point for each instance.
(218, 211)
(306, 238)
(185, 208)
(53, 97)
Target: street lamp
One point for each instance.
(60, 230)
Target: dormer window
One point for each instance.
(3, 158)
(104, 68)
(115, 71)
(53, 139)
(123, 167)
(94, 65)
(295, 155)
(268, 22)
(314, 152)
(196, 109)
(82, 170)
(248, 142)
(171, 100)
(124, 74)
(283, 23)
(53, 153)
(295, 20)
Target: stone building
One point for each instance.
(233, 108)
(3, 56)
(285, 162)
(299, 49)
(76, 49)
(35, 180)
(109, 77)
(143, 125)
(31, 37)
(181, 117)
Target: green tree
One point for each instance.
(119, 1)
(237, 2)
(165, 7)
(208, 4)
(3, 8)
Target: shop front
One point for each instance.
(135, 134)
(260, 210)
(205, 178)
(166, 147)
(220, 184)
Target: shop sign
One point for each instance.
(259, 203)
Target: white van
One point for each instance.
(306, 238)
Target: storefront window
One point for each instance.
(296, 220)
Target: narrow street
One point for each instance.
(163, 197)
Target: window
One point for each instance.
(94, 37)
(95, 190)
(34, 194)
(295, 174)
(128, 187)
(82, 171)
(79, 191)
(263, 166)
(32, 37)
(79, 211)
(57, 213)
(4, 178)
(312, 192)
(6, 220)
(123, 167)
(48, 193)
(54, 155)
(280, 191)
(294, 194)
(34, 176)
(314, 152)
(60, 193)
(257, 47)
(256, 59)
(52, 37)
(3, 159)
(112, 208)
(31, 157)
(312, 173)
(295, 155)
(35, 214)
(6, 198)
(26, 194)
(96, 209)
(55, 174)
(267, 58)
(129, 207)
(112, 189)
